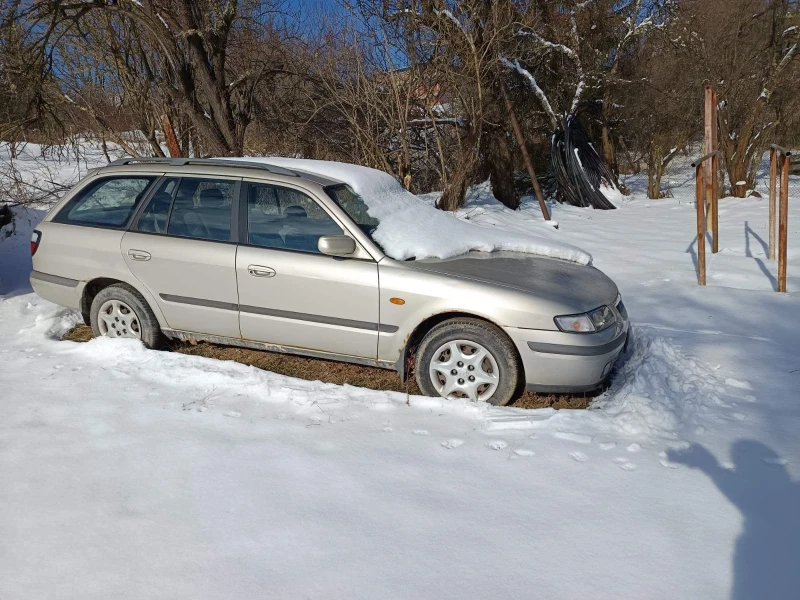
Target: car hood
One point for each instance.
(579, 287)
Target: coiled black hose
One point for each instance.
(577, 170)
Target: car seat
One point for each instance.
(211, 218)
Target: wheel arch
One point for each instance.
(406, 360)
(96, 285)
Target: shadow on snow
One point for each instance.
(765, 563)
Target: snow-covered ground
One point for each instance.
(130, 473)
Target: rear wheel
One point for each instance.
(119, 311)
(468, 358)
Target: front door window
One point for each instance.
(286, 219)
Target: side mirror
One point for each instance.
(336, 245)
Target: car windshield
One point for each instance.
(354, 206)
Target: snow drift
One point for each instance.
(657, 392)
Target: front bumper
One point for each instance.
(560, 362)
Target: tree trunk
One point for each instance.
(609, 152)
(150, 134)
(240, 128)
(635, 167)
(654, 184)
(404, 167)
(455, 193)
(500, 164)
(208, 133)
(741, 167)
(185, 139)
(104, 146)
(655, 172)
(740, 152)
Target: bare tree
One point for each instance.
(407, 86)
(662, 111)
(574, 53)
(24, 81)
(182, 48)
(621, 28)
(455, 44)
(748, 50)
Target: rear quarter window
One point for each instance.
(107, 202)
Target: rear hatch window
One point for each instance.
(107, 202)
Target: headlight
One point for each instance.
(602, 318)
(594, 320)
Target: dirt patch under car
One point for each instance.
(314, 369)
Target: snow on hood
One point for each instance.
(411, 228)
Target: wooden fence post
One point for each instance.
(714, 204)
(710, 168)
(773, 175)
(783, 218)
(701, 224)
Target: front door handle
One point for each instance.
(259, 271)
(139, 254)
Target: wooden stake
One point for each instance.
(714, 205)
(525, 156)
(773, 177)
(708, 140)
(783, 218)
(710, 168)
(172, 139)
(701, 225)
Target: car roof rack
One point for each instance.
(180, 162)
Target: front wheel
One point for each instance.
(119, 311)
(468, 358)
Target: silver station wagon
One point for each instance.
(279, 259)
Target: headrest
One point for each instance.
(294, 211)
(212, 198)
(162, 198)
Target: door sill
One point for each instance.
(189, 336)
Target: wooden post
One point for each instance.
(783, 218)
(172, 139)
(523, 148)
(714, 204)
(773, 175)
(701, 224)
(710, 168)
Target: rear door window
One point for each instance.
(202, 209)
(108, 202)
(155, 216)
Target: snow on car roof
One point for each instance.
(411, 228)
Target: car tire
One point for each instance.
(135, 318)
(462, 336)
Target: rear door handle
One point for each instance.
(259, 271)
(139, 254)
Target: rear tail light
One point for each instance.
(35, 239)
